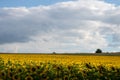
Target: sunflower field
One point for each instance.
(59, 67)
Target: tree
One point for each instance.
(98, 51)
(54, 52)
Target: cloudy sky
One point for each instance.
(59, 25)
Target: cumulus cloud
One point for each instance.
(73, 26)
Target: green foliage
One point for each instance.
(54, 52)
(54, 71)
(98, 51)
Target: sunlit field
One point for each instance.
(64, 59)
(59, 67)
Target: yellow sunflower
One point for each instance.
(16, 77)
(33, 69)
(66, 78)
(10, 74)
(2, 74)
(43, 75)
(28, 77)
(19, 70)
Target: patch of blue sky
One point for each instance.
(116, 2)
(28, 3)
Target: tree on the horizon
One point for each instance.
(54, 52)
(98, 51)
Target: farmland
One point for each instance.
(59, 67)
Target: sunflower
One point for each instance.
(66, 78)
(38, 67)
(43, 75)
(16, 77)
(33, 69)
(2, 74)
(10, 74)
(41, 63)
(58, 68)
(113, 68)
(88, 65)
(70, 67)
(28, 77)
(11, 69)
(54, 66)
(19, 70)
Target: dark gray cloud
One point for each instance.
(19, 27)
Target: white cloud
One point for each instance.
(73, 26)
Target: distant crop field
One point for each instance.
(64, 59)
(59, 67)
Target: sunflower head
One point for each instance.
(2, 74)
(88, 65)
(58, 68)
(113, 68)
(101, 67)
(10, 74)
(28, 77)
(38, 67)
(66, 78)
(16, 77)
(118, 70)
(20, 70)
(43, 75)
(33, 69)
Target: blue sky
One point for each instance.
(117, 2)
(27, 3)
(72, 26)
(30, 3)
